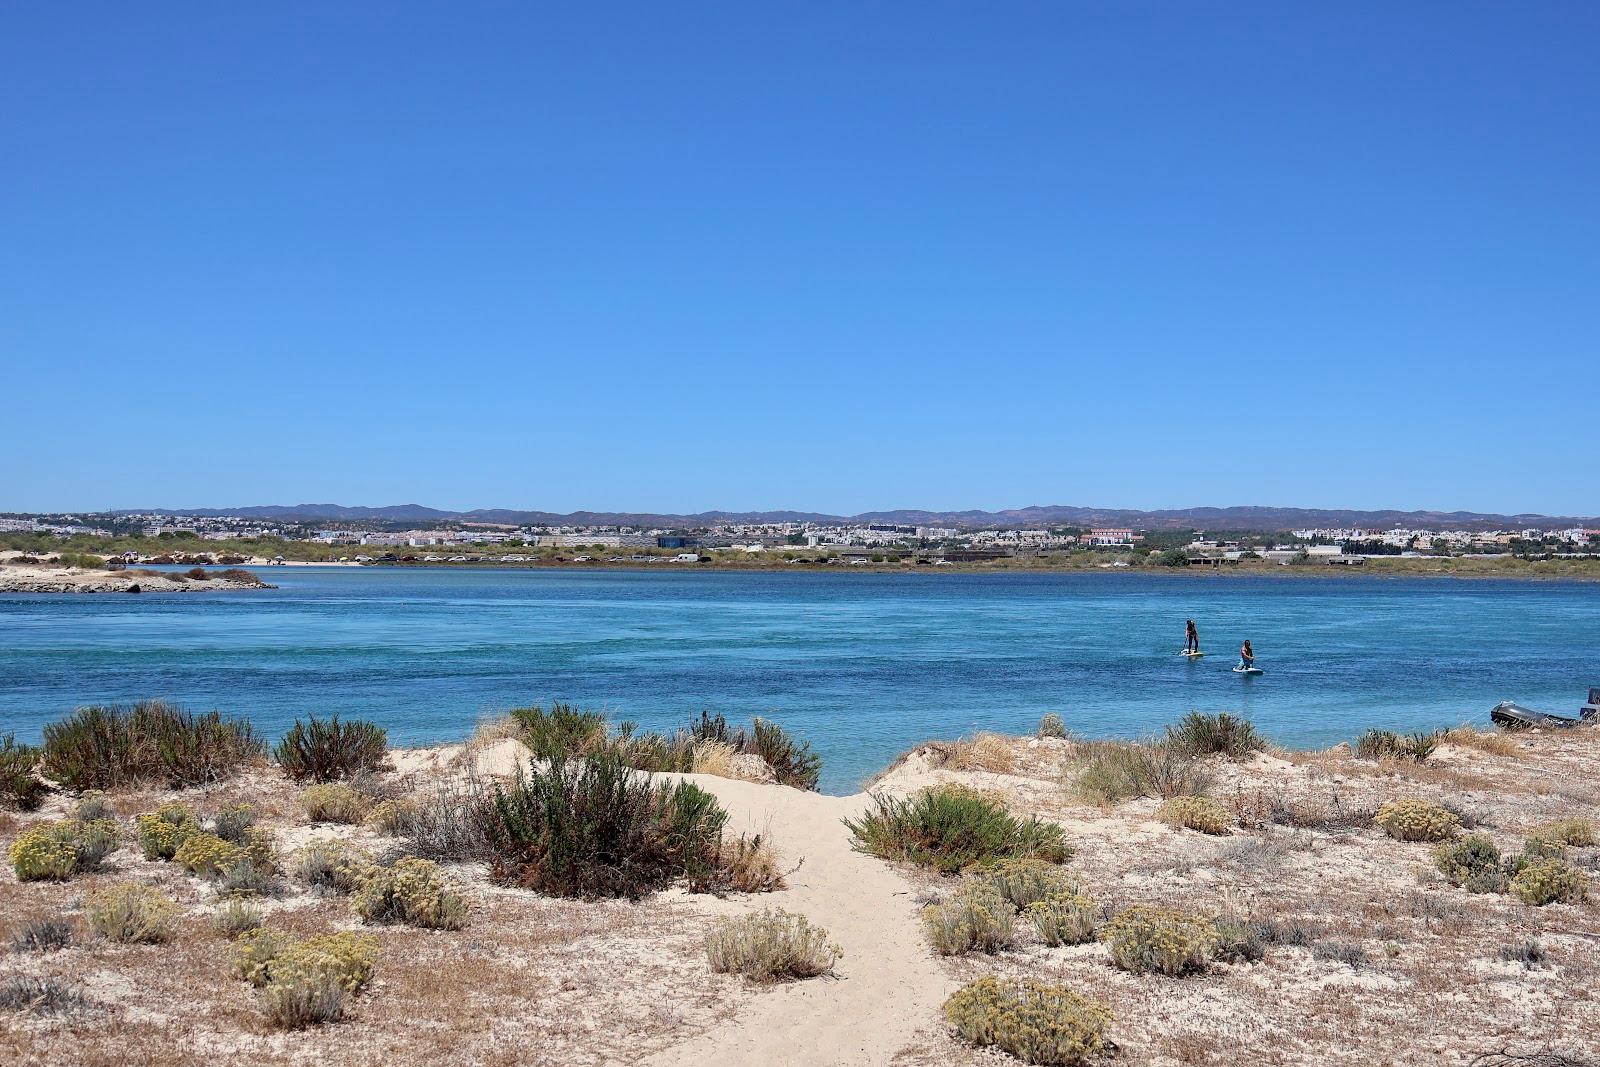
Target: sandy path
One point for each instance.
(889, 988)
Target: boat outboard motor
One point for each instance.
(1590, 712)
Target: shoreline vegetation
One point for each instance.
(91, 555)
(76, 573)
(562, 888)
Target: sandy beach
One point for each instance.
(49, 578)
(1366, 928)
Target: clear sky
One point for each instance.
(823, 256)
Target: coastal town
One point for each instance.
(467, 541)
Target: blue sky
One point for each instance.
(833, 257)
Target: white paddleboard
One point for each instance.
(1247, 670)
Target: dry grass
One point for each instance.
(1493, 742)
(986, 752)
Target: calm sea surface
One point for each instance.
(860, 665)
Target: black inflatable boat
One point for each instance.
(1514, 716)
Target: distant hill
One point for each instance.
(1234, 518)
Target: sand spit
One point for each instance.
(45, 579)
(1379, 960)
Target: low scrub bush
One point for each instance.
(1530, 953)
(1147, 940)
(327, 750)
(1409, 819)
(233, 821)
(20, 787)
(413, 892)
(392, 816)
(593, 827)
(235, 918)
(304, 983)
(1032, 1020)
(209, 856)
(104, 747)
(1220, 734)
(92, 806)
(303, 997)
(264, 956)
(1578, 833)
(977, 918)
(164, 830)
(740, 865)
(1195, 813)
(131, 912)
(1025, 881)
(334, 802)
(950, 827)
(791, 761)
(1067, 917)
(1239, 941)
(1050, 725)
(55, 851)
(1386, 744)
(773, 946)
(562, 731)
(41, 996)
(1109, 772)
(446, 823)
(332, 865)
(1348, 953)
(42, 935)
(248, 878)
(1550, 881)
(1473, 863)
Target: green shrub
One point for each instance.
(103, 747)
(326, 750)
(562, 731)
(58, 850)
(412, 892)
(977, 918)
(773, 946)
(950, 827)
(1220, 734)
(1067, 917)
(1109, 772)
(1195, 813)
(1386, 744)
(164, 830)
(593, 827)
(1579, 833)
(1050, 725)
(1147, 940)
(334, 802)
(20, 788)
(235, 917)
(1550, 881)
(792, 762)
(248, 878)
(1409, 819)
(130, 912)
(1473, 863)
(1033, 1020)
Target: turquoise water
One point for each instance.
(861, 665)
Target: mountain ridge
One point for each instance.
(1253, 517)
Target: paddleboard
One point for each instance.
(1191, 655)
(1247, 670)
